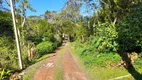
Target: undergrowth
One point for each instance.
(99, 66)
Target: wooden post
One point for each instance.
(16, 35)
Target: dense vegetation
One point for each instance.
(35, 42)
(107, 38)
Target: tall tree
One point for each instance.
(16, 35)
(72, 9)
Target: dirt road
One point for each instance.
(70, 69)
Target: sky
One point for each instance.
(52, 5)
(42, 5)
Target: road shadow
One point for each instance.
(129, 66)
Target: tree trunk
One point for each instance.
(129, 66)
(16, 35)
(127, 60)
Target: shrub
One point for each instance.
(130, 30)
(43, 48)
(5, 73)
(8, 56)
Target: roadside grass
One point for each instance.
(96, 68)
(59, 68)
(138, 65)
(30, 71)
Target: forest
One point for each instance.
(106, 45)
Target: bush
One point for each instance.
(130, 30)
(43, 48)
(8, 56)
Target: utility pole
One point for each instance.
(16, 35)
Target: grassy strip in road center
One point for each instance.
(59, 68)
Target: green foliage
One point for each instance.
(68, 27)
(5, 24)
(105, 37)
(37, 31)
(130, 30)
(42, 31)
(8, 56)
(5, 73)
(97, 69)
(92, 57)
(81, 31)
(103, 41)
(44, 48)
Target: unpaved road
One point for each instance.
(71, 71)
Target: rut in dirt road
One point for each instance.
(70, 69)
(46, 70)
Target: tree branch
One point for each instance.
(7, 3)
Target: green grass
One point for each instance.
(59, 73)
(99, 72)
(59, 69)
(138, 65)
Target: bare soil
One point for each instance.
(71, 70)
(46, 70)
